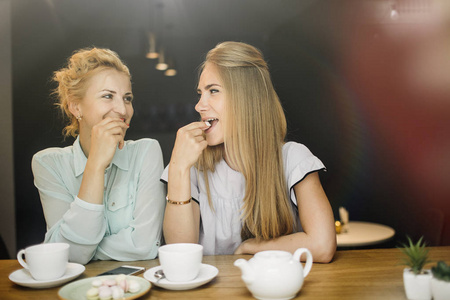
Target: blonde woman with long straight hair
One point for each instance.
(234, 185)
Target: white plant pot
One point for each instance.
(417, 287)
(440, 289)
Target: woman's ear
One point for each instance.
(74, 109)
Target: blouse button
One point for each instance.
(114, 203)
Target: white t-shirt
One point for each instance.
(220, 230)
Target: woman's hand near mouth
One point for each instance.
(105, 137)
(189, 144)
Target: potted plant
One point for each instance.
(440, 281)
(416, 279)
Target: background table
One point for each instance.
(364, 234)
(372, 274)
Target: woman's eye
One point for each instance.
(108, 96)
(199, 95)
(128, 99)
(213, 91)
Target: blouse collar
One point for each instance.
(120, 158)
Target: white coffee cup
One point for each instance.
(45, 261)
(181, 262)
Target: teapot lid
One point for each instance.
(273, 255)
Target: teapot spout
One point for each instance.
(248, 274)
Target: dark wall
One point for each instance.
(306, 44)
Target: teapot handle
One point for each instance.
(308, 264)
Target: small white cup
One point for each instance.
(181, 262)
(45, 261)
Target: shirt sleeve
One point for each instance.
(142, 238)
(299, 162)
(69, 219)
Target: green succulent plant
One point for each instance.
(441, 271)
(416, 255)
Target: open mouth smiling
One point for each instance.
(211, 122)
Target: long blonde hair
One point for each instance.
(253, 140)
(73, 80)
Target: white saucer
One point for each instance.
(23, 277)
(207, 273)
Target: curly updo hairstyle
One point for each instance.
(73, 80)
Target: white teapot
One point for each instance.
(275, 274)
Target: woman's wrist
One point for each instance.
(97, 163)
(95, 166)
(176, 167)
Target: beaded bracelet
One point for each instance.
(178, 202)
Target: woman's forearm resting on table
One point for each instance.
(317, 221)
(82, 226)
(322, 249)
(84, 229)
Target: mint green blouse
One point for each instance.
(127, 226)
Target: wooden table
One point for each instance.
(363, 234)
(353, 274)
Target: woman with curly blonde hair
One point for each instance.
(102, 195)
(234, 184)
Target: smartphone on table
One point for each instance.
(126, 270)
